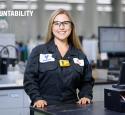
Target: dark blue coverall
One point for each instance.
(45, 79)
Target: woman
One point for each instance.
(56, 69)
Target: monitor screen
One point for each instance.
(111, 39)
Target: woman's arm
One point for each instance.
(31, 76)
(86, 83)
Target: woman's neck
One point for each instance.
(61, 43)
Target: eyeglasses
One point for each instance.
(64, 23)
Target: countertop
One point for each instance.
(13, 80)
(96, 108)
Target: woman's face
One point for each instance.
(61, 27)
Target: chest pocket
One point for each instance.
(47, 66)
(78, 68)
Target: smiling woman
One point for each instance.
(61, 29)
(57, 68)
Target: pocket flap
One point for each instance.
(47, 66)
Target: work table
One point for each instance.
(96, 108)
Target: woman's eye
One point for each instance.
(56, 23)
(66, 23)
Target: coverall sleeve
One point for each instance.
(86, 82)
(31, 86)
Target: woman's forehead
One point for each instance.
(61, 17)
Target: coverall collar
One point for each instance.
(51, 48)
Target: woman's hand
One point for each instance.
(40, 104)
(84, 101)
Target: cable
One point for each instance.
(4, 47)
(3, 61)
(16, 60)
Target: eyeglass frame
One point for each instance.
(59, 23)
